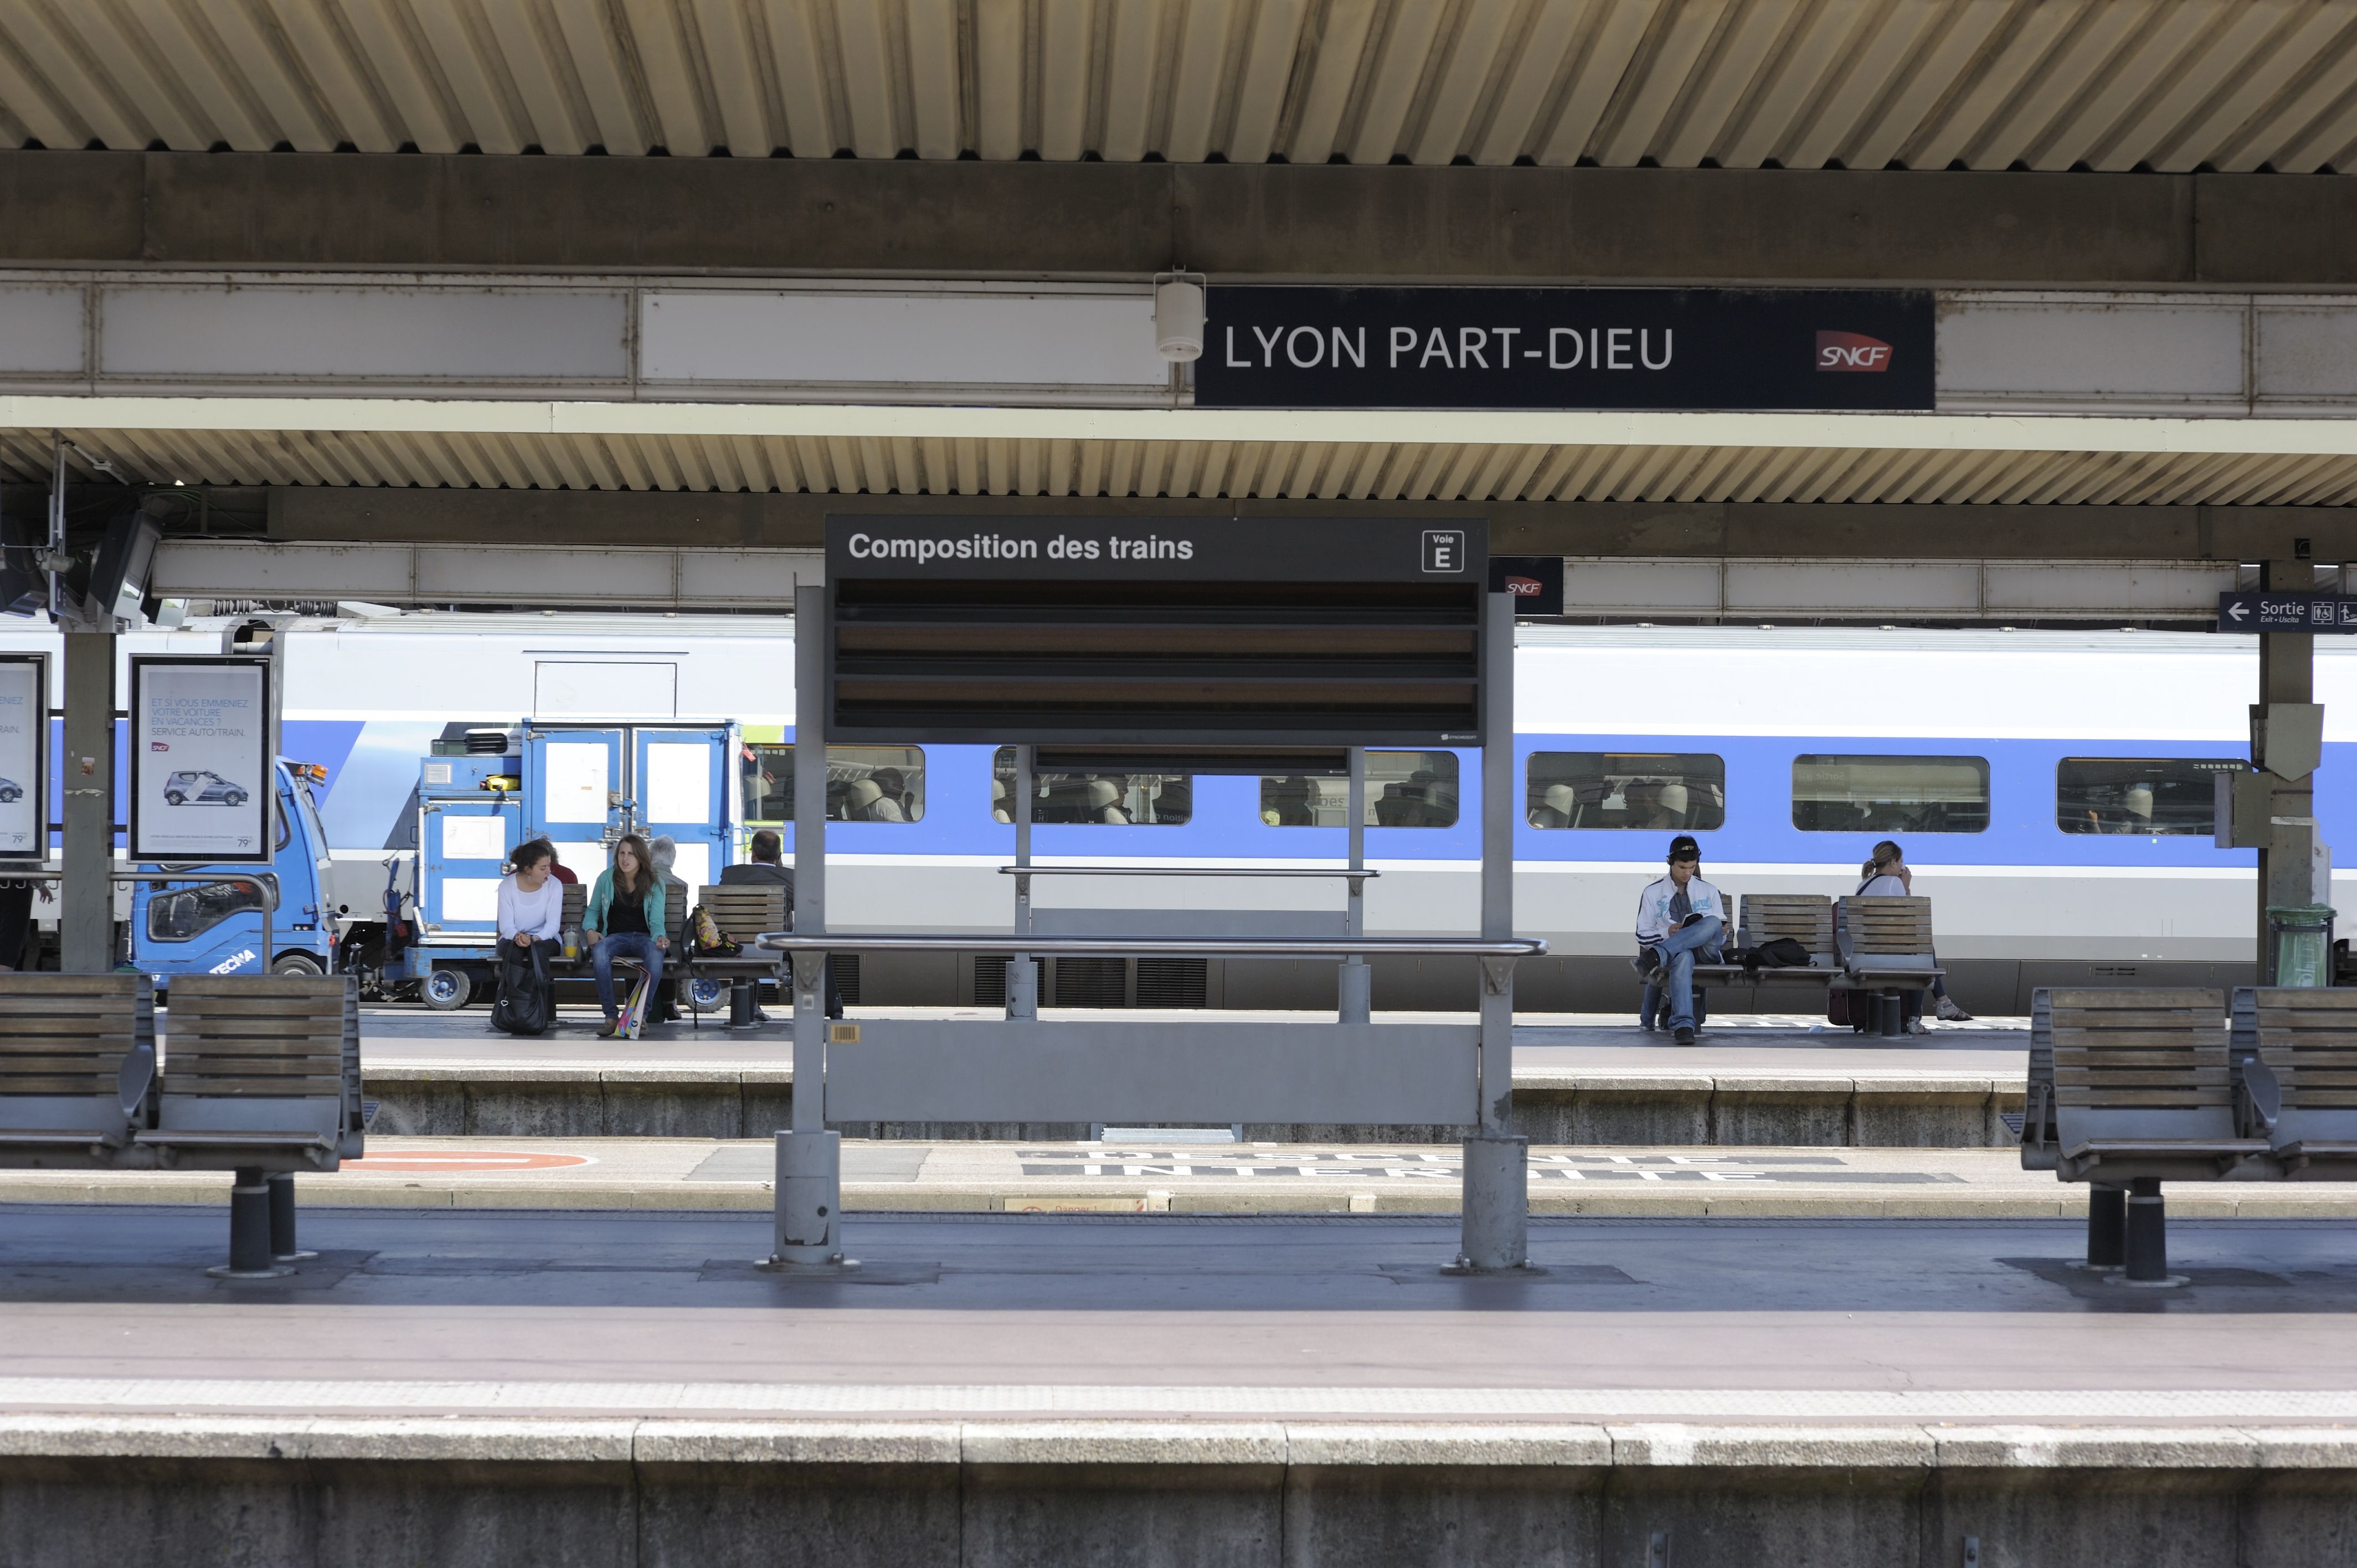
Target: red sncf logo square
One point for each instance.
(1852, 351)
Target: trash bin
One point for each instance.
(2302, 935)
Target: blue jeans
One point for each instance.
(1675, 953)
(623, 944)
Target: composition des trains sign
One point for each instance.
(1286, 347)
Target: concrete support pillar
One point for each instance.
(86, 915)
(2286, 674)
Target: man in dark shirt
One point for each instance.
(767, 868)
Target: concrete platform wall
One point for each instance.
(1654, 1108)
(667, 1494)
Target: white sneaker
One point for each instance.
(1917, 1026)
(1949, 1012)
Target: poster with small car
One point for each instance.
(200, 759)
(24, 741)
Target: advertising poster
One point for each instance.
(200, 770)
(24, 762)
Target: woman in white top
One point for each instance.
(532, 902)
(1887, 875)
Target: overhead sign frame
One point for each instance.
(203, 760)
(2250, 610)
(24, 757)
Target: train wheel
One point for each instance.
(446, 990)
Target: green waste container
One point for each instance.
(2303, 943)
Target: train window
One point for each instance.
(2139, 794)
(1661, 790)
(1404, 789)
(1890, 794)
(1115, 799)
(185, 913)
(863, 783)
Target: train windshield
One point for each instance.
(1105, 799)
(863, 783)
(2139, 794)
(1659, 790)
(1890, 794)
(1404, 789)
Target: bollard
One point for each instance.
(810, 1197)
(1496, 1227)
(2107, 1220)
(249, 1231)
(283, 1248)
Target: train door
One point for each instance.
(681, 780)
(464, 852)
(573, 793)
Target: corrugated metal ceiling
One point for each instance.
(1030, 466)
(2051, 85)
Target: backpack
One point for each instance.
(709, 940)
(527, 1000)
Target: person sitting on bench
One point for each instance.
(625, 919)
(767, 868)
(1679, 916)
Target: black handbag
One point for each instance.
(527, 999)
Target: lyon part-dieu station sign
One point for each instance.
(1683, 349)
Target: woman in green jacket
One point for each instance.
(625, 919)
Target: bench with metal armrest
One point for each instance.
(1804, 917)
(77, 1066)
(2295, 1056)
(262, 1075)
(1885, 949)
(2142, 1091)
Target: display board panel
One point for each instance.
(201, 773)
(23, 755)
(1221, 632)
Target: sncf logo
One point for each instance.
(1852, 351)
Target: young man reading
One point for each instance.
(1679, 916)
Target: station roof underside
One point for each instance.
(1389, 456)
(1925, 84)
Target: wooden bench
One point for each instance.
(742, 911)
(2142, 1092)
(1884, 948)
(1804, 917)
(2301, 1095)
(262, 1077)
(77, 1063)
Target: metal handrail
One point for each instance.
(1180, 871)
(268, 880)
(1126, 946)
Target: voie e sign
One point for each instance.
(1288, 346)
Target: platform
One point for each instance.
(630, 1389)
(1753, 1079)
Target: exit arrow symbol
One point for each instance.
(2239, 612)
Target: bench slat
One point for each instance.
(2099, 1099)
(321, 1087)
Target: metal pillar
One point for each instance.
(2146, 1252)
(2107, 1220)
(249, 1231)
(2286, 674)
(1356, 986)
(1495, 1230)
(1022, 983)
(810, 1158)
(284, 1246)
(86, 916)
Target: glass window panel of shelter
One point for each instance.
(183, 914)
(1844, 794)
(1102, 799)
(1661, 791)
(2141, 795)
(1404, 789)
(863, 783)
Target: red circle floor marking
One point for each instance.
(465, 1162)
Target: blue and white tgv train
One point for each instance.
(2051, 788)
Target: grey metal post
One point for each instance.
(809, 1197)
(2286, 674)
(1495, 1231)
(1357, 999)
(86, 917)
(1022, 979)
